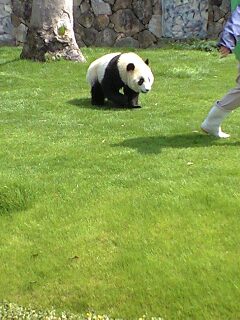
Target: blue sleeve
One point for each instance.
(231, 31)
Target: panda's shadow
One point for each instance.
(85, 103)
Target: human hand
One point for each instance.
(224, 51)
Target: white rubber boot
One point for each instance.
(212, 124)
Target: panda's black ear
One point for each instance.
(130, 67)
(147, 62)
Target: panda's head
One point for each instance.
(135, 73)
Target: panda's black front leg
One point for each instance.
(111, 92)
(132, 97)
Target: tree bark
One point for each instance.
(50, 32)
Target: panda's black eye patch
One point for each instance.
(140, 81)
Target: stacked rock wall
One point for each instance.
(6, 28)
(125, 23)
(21, 14)
(143, 23)
(218, 13)
(134, 23)
(185, 19)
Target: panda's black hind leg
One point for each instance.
(97, 94)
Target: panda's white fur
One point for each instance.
(109, 73)
(97, 68)
(141, 70)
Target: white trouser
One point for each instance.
(231, 100)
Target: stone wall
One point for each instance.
(218, 13)
(185, 19)
(143, 23)
(21, 14)
(125, 23)
(119, 23)
(6, 29)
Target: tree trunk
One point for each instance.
(50, 32)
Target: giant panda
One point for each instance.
(114, 71)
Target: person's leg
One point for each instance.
(212, 124)
(231, 100)
(220, 110)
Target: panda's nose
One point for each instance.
(146, 90)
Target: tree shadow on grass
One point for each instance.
(9, 61)
(85, 103)
(154, 145)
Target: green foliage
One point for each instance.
(62, 30)
(202, 45)
(125, 212)
(14, 311)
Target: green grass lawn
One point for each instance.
(125, 212)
